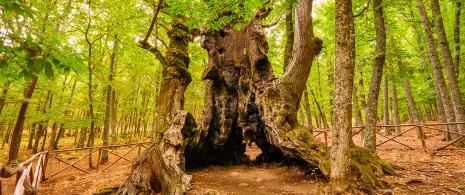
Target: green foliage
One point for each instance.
(24, 54)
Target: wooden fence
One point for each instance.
(53, 156)
(28, 179)
(418, 127)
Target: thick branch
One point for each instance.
(306, 47)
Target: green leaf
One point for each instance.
(49, 70)
(3, 79)
(39, 65)
(30, 64)
(66, 70)
(22, 73)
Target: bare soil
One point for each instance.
(418, 172)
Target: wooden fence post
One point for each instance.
(51, 165)
(422, 137)
(98, 157)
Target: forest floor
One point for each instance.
(417, 172)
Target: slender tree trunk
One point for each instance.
(449, 66)
(32, 133)
(358, 114)
(437, 70)
(408, 94)
(369, 136)
(434, 112)
(427, 113)
(308, 111)
(62, 129)
(288, 48)
(114, 124)
(324, 123)
(386, 105)
(437, 92)
(342, 111)
(90, 141)
(458, 6)
(108, 123)
(53, 136)
(7, 134)
(302, 115)
(82, 137)
(395, 108)
(362, 89)
(17, 131)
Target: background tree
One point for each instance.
(369, 136)
(342, 118)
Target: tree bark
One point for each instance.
(369, 136)
(108, 123)
(395, 108)
(408, 95)
(437, 70)
(458, 6)
(425, 61)
(358, 114)
(91, 115)
(386, 105)
(324, 123)
(308, 111)
(17, 131)
(32, 133)
(155, 171)
(449, 66)
(362, 89)
(288, 48)
(342, 111)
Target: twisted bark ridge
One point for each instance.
(162, 171)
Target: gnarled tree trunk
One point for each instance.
(244, 103)
(162, 171)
